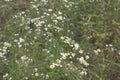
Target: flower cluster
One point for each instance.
(24, 60)
(63, 57)
(71, 42)
(19, 42)
(39, 30)
(4, 50)
(97, 51)
(83, 61)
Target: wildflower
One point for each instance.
(110, 45)
(83, 73)
(119, 52)
(87, 57)
(55, 21)
(97, 51)
(4, 76)
(60, 18)
(15, 40)
(73, 54)
(63, 57)
(26, 78)
(58, 61)
(62, 37)
(47, 76)
(36, 74)
(6, 44)
(50, 10)
(25, 60)
(19, 45)
(21, 40)
(81, 51)
(65, 1)
(76, 46)
(52, 66)
(1, 54)
(59, 13)
(4, 48)
(7, 0)
(35, 69)
(10, 78)
(83, 61)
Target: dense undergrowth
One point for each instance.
(59, 40)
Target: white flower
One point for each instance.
(110, 45)
(44, 1)
(7, 0)
(60, 18)
(47, 76)
(36, 74)
(21, 40)
(6, 44)
(50, 10)
(64, 57)
(76, 46)
(35, 69)
(25, 60)
(119, 53)
(82, 61)
(58, 61)
(2, 55)
(62, 37)
(65, 1)
(4, 48)
(73, 54)
(98, 50)
(19, 45)
(26, 78)
(59, 13)
(52, 66)
(15, 40)
(4, 76)
(83, 73)
(81, 51)
(87, 57)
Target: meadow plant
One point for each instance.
(59, 40)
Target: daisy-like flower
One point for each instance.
(81, 51)
(83, 61)
(73, 54)
(59, 13)
(4, 76)
(52, 66)
(83, 73)
(21, 40)
(76, 46)
(36, 74)
(6, 44)
(87, 57)
(50, 10)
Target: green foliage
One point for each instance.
(59, 40)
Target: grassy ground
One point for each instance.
(59, 40)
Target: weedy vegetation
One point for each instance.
(59, 39)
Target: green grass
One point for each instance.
(59, 40)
